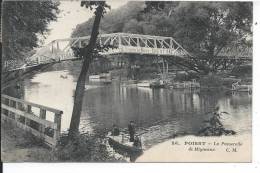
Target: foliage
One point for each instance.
(211, 80)
(94, 5)
(84, 148)
(24, 22)
(202, 28)
(185, 77)
(208, 26)
(114, 21)
(245, 70)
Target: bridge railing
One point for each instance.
(25, 115)
(12, 64)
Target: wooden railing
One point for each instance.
(32, 118)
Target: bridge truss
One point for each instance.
(122, 43)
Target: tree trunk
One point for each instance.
(80, 88)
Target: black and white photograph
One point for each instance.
(126, 81)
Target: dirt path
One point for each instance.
(20, 146)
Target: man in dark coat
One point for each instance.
(131, 130)
(115, 131)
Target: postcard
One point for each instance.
(126, 81)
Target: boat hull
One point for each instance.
(124, 149)
(144, 84)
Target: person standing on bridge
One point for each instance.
(131, 130)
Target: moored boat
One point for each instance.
(100, 76)
(241, 87)
(144, 84)
(157, 84)
(94, 77)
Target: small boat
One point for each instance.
(144, 84)
(241, 87)
(94, 77)
(122, 145)
(106, 81)
(129, 82)
(185, 84)
(105, 76)
(100, 76)
(157, 84)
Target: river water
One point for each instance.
(161, 112)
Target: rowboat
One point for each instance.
(100, 76)
(151, 84)
(122, 145)
(94, 77)
(144, 84)
(157, 84)
(242, 87)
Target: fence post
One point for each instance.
(16, 116)
(7, 102)
(28, 110)
(41, 126)
(57, 120)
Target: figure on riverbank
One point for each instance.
(214, 126)
(131, 130)
(215, 120)
(137, 142)
(115, 131)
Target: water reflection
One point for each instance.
(106, 104)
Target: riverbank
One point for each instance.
(190, 148)
(20, 146)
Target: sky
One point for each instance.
(70, 16)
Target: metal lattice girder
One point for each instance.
(128, 43)
(122, 43)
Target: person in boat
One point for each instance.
(115, 130)
(131, 130)
(137, 142)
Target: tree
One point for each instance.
(86, 53)
(206, 28)
(114, 21)
(23, 24)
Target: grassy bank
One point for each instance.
(18, 145)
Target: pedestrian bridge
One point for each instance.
(122, 43)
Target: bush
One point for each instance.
(229, 81)
(211, 80)
(85, 148)
(241, 71)
(214, 126)
(184, 76)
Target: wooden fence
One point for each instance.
(32, 118)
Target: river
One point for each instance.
(161, 112)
